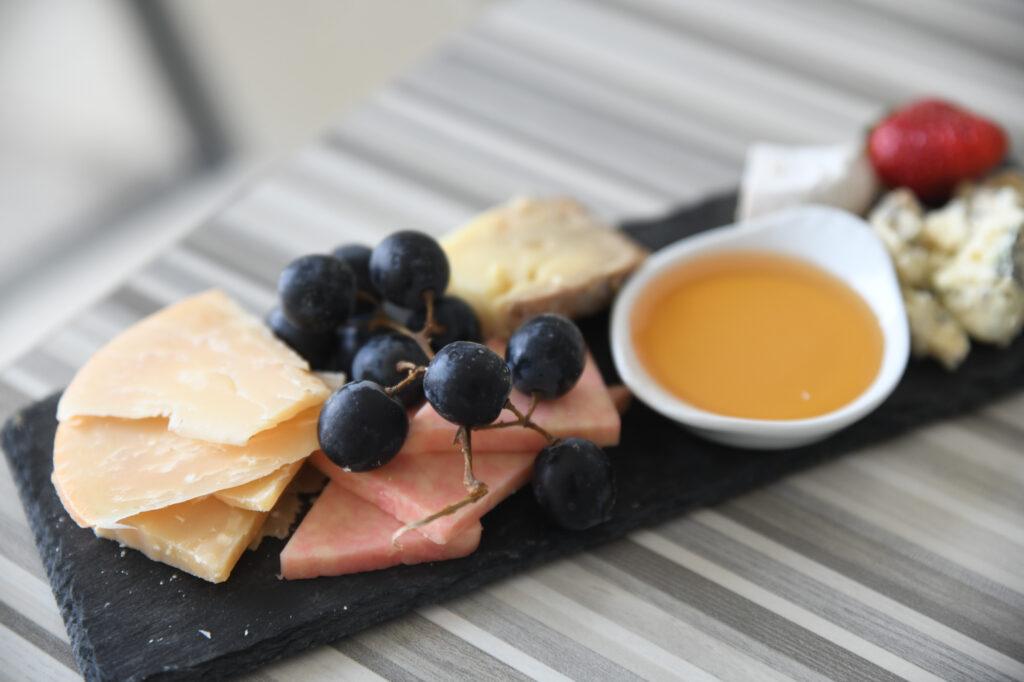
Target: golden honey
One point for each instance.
(757, 335)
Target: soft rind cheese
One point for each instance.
(204, 537)
(108, 469)
(214, 371)
(537, 255)
(263, 493)
(776, 176)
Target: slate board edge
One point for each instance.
(308, 635)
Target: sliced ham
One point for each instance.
(412, 487)
(344, 534)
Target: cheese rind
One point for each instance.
(214, 371)
(776, 176)
(537, 255)
(204, 537)
(107, 469)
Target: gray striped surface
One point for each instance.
(903, 560)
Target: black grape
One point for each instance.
(574, 483)
(377, 360)
(457, 320)
(361, 427)
(317, 292)
(467, 383)
(316, 347)
(406, 265)
(546, 355)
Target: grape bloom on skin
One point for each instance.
(400, 284)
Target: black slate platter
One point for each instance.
(131, 618)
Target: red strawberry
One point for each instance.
(930, 145)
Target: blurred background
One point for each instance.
(124, 122)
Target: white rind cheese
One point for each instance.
(777, 176)
(537, 255)
(214, 371)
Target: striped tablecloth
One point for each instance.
(904, 560)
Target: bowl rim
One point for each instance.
(895, 332)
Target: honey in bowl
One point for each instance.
(757, 335)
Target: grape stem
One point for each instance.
(414, 371)
(380, 319)
(475, 488)
(523, 420)
(431, 325)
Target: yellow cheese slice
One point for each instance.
(108, 469)
(261, 494)
(537, 255)
(290, 504)
(213, 370)
(204, 537)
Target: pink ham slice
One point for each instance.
(344, 534)
(587, 411)
(411, 486)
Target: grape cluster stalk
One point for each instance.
(356, 310)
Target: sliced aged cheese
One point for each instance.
(344, 534)
(263, 493)
(213, 370)
(586, 411)
(411, 487)
(107, 469)
(204, 537)
(290, 505)
(537, 255)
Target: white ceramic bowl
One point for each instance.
(834, 240)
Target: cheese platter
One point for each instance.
(132, 618)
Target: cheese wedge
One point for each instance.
(214, 371)
(204, 537)
(263, 493)
(537, 255)
(411, 487)
(777, 176)
(108, 469)
(344, 534)
(290, 504)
